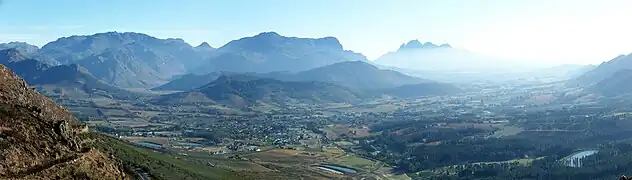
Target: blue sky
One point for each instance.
(560, 31)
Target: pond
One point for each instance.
(149, 144)
(339, 168)
(575, 159)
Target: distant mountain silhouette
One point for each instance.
(125, 59)
(427, 56)
(603, 71)
(415, 45)
(204, 45)
(351, 74)
(269, 52)
(357, 75)
(243, 92)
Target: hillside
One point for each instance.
(27, 68)
(603, 71)
(39, 139)
(188, 82)
(130, 60)
(352, 74)
(358, 75)
(269, 52)
(238, 92)
(617, 84)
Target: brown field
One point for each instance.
(334, 131)
(285, 157)
(284, 151)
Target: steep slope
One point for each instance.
(241, 92)
(39, 139)
(423, 89)
(617, 84)
(125, 59)
(603, 71)
(269, 51)
(442, 58)
(357, 75)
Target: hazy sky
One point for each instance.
(561, 31)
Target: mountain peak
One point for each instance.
(415, 44)
(268, 34)
(204, 45)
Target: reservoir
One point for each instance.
(149, 144)
(338, 168)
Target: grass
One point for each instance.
(622, 113)
(507, 131)
(355, 162)
(344, 143)
(450, 170)
(158, 165)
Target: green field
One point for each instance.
(355, 162)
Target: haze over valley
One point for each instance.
(315, 90)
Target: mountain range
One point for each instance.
(269, 52)
(127, 60)
(69, 80)
(245, 90)
(351, 74)
(23, 47)
(104, 63)
(242, 91)
(444, 58)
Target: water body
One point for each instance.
(149, 144)
(339, 168)
(575, 159)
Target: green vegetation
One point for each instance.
(158, 165)
(355, 162)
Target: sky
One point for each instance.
(539, 31)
